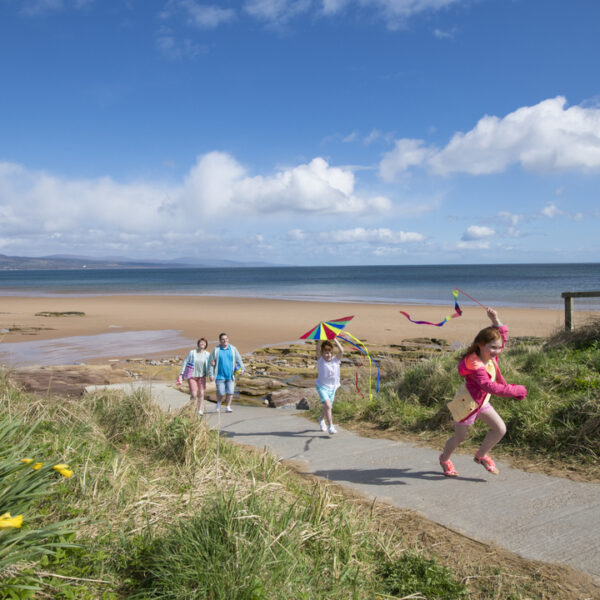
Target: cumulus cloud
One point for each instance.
(546, 137)
(407, 153)
(315, 187)
(120, 215)
(477, 232)
(551, 210)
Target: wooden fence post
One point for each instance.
(568, 296)
(568, 313)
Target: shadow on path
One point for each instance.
(387, 476)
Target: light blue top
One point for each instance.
(227, 362)
(200, 360)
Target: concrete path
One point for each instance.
(538, 517)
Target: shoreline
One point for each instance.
(252, 322)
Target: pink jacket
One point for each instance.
(479, 382)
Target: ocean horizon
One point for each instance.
(509, 285)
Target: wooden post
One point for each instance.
(568, 313)
(568, 296)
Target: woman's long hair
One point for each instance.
(485, 336)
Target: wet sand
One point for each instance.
(249, 322)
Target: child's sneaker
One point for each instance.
(332, 430)
(201, 413)
(322, 424)
(218, 407)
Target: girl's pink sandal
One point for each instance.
(448, 468)
(487, 462)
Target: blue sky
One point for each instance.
(301, 131)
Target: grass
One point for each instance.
(558, 422)
(165, 508)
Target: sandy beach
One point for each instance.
(250, 322)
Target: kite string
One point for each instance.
(468, 296)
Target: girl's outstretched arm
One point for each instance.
(340, 350)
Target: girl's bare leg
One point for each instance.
(496, 432)
(460, 435)
(200, 400)
(326, 414)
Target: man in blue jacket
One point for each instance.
(225, 361)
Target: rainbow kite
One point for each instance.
(457, 313)
(327, 330)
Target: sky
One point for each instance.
(301, 132)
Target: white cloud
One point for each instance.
(477, 232)
(382, 235)
(551, 210)
(104, 213)
(394, 12)
(546, 137)
(315, 187)
(176, 48)
(34, 8)
(296, 235)
(276, 12)
(203, 16)
(444, 35)
(473, 245)
(407, 153)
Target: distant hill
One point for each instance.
(58, 261)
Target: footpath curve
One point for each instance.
(538, 517)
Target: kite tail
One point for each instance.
(457, 312)
(362, 348)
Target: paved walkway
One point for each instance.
(538, 517)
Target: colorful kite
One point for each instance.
(457, 313)
(327, 330)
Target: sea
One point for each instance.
(512, 285)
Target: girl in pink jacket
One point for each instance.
(479, 367)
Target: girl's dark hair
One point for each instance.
(326, 344)
(485, 336)
(201, 340)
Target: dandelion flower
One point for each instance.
(7, 522)
(27, 461)
(37, 466)
(63, 470)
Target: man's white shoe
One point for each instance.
(228, 409)
(322, 424)
(218, 407)
(332, 430)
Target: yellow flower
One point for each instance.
(27, 461)
(6, 521)
(37, 466)
(63, 470)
